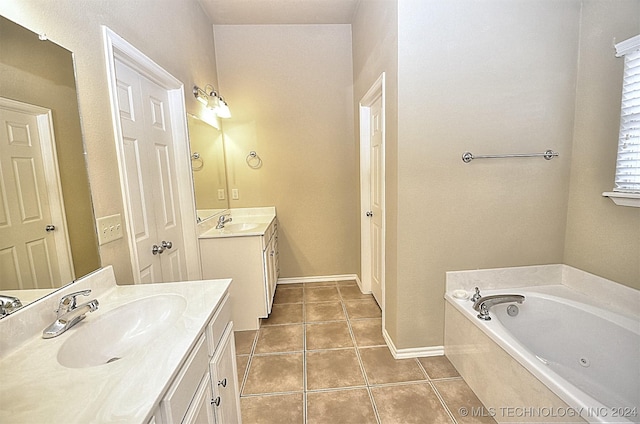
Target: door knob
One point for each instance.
(157, 250)
(50, 228)
(167, 244)
(369, 214)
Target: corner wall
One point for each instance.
(602, 238)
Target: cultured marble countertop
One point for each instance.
(35, 388)
(261, 217)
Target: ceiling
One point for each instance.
(279, 12)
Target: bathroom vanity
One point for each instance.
(246, 250)
(154, 353)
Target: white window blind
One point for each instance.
(627, 179)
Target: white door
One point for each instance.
(149, 173)
(34, 248)
(376, 197)
(372, 189)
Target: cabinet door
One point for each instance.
(201, 411)
(224, 380)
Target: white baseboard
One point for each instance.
(413, 352)
(320, 279)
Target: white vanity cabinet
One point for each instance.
(205, 390)
(251, 260)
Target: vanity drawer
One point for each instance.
(218, 323)
(175, 403)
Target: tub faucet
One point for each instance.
(9, 304)
(222, 219)
(69, 313)
(483, 304)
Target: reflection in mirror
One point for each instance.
(47, 231)
(207, 162)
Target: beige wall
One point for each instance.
(602, 238)
(375, 50)
(175, 34)
(290, 92)
(486, 77)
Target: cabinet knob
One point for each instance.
(222, 383)
(50, 228)
(216, 401)
(157, 250)
(369, 213)
(167, 244)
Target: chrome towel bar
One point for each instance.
(548, 155)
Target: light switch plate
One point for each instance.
(109, 228)
(221, 194)
(235, 195)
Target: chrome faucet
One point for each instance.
(483, 304)
(222, 219)
(69, 313)
(9, 304)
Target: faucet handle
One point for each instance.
(68, 302)
(476, 296)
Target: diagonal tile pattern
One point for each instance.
(320, 358)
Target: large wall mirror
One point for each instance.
(47, 226)
(208, 165)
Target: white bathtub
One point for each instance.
(589, 357)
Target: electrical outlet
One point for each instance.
(221, 195)
(235, 195)
(109, 228)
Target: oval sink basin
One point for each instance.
(120, 331)
(241, 226)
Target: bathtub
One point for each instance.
(587, 356)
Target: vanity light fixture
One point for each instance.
(212, 100)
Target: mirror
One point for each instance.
(41, 74)
(208, 165)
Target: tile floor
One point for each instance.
(320, 358)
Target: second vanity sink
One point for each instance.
(240, 226)
(111, 336)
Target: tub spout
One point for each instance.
(483, 304)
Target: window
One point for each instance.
(626, 190)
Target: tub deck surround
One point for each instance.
(262, 217)
(503, 372)
(37, 388)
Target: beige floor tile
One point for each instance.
(280, 338)
(284, 314)
(409, 404)
(244, 341)
(353, 292)
(368, 332)
(329, 369)
(381, 367)
(319, 284)
(327, 311)
(340, 407)
(288, 295)
(438, 367)
(273, 409)
(321, 294)
(457, 395)
(242, 362)
(275, 373)
(362, 308)
(347, 283)
(328, 335)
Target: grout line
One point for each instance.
(442, 401)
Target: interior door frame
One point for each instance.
(49, 153)
(376, 90)
(116, 48)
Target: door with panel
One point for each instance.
(34, 249)
(376, 197)
(149, 174)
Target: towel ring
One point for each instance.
(253, 160)
(195, 157)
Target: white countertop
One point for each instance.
(35, 388)
(262, 217)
